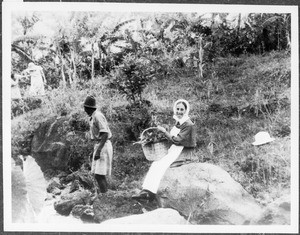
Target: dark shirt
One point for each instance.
(187, 134)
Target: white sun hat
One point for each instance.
(31, 66)
(262, 138)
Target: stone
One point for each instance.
(54, 185)
(277, 212)
(49, 147)
(75, 186)
(84, 179)
(84, 212)
(114, 204)
(67, 202)
(206, 194)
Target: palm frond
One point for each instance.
(121, 25)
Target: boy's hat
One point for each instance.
(262, 138)
(90, 102)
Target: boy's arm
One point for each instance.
(103, 137)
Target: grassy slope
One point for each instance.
(224, 107)
(240, 89)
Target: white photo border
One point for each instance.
(9, 7)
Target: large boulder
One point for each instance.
(49, 146)
(163, 216)
(206, 194)
(59, 144)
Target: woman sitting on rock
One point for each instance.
(183, 137)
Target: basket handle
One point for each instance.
(150, 128)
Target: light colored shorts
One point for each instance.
(103, 165)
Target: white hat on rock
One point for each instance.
(31, 66)
(262, 138)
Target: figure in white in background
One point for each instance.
(15, 90)
(37, 80)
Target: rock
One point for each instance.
(49, 197)
(56, 191)
(158, 216)
(67, 202)
(62, 177)
(114, 204)
(83, 178)
(277, 212)
(49, 146)
(59, 145)
(74, 186)
(54, 185)
(206, 194)
(84, 212)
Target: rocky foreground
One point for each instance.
(196, 193)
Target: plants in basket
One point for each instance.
(154, 143)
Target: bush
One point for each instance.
(21, 106)
(79, 151)
(80, 148)
(131, 78)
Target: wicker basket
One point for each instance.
(155, 151)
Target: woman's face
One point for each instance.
(180, 110)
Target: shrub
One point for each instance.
(133, 118)
(79, 151)
(132, 77)
(80, 148)
(21, 106)
(78, 122)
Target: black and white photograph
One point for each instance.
(128, 117)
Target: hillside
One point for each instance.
(237, 98)
(244, 95)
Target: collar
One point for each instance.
(182, 120)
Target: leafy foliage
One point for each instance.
(21, 106)
(152, 136)
(132, 76)
(138, 118)
(78, 123)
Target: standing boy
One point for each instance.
(100, 134)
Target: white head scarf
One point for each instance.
(186, 114)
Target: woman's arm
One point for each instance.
(167, 134)
(184, 137)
